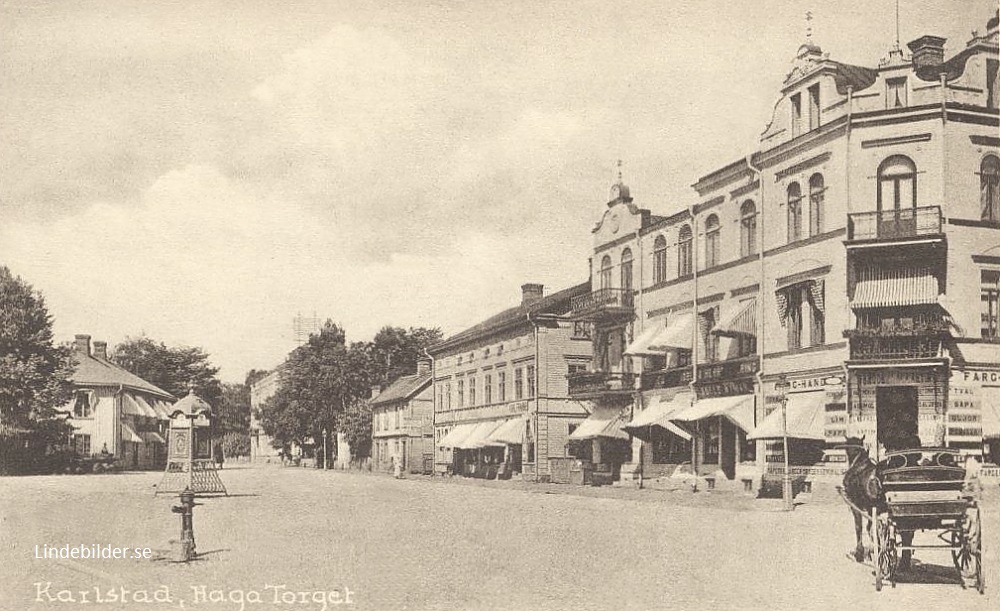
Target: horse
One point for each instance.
(863, 490)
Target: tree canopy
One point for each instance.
(174, 369)
(34, 373)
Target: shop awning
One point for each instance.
(601, 423)
(510, 432)
(131, 407)
(163, 408)
(676, 335)
(479, 435)
(890, 288)
(150, 408)
(738, 409)
(740, 319)
(806, 417)
(129, 434)
(152, 437)
(658, 413)
(456, 435)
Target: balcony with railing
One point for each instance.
(603, 303)
(666, 378)
(896, 343)
(585, 384)
(729, 369)
(895, 224)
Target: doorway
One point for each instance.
(896, 417)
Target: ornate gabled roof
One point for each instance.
(403, 388)
(190, 406)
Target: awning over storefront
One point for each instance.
(129, 434)
(658, 413)
(601, 423)
(150, 408)
(479, 435)
(806, 417)
(510, 432)
(890, 288)
(456, 435)
(162, 408)
(740, 319)
(660, 339)
(738, 409)
(152, 437)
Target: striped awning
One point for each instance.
(738, 409)
(152, 437)
(739, 319)
(601, 423)
(510, 432)
(657, 340)
(658, 413)
(805, 418)
(478, 438)
(890, 288)
(456, 436)
(129, 434)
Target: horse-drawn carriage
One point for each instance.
(911, 491)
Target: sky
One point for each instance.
(202, 171)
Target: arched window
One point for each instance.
(684, 251)
(897, 183)
(794, 212)
(748, 229)
(606, 272)
(989, 173)
(712, 241)
(627, 269)
(659, 259)
(816, 190)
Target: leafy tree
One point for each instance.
(255, 375)
(34, 374)
(356, 425)
(174, 369)
(232, 419)
(395, 351)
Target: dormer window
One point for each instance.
(895, 92)
(796, 115)
(814, 106)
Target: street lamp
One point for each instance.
(782, 386)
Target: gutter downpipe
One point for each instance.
(847, 306)
(637, 387)
(535, 398)
(759, 323)
(119, 450)
(694, 345)
(434, 410)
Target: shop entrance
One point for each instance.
(896, 417)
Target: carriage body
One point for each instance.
(925, 489)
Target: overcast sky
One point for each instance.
(201, 173)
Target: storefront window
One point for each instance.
(710, 440)
(990, 298)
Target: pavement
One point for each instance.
(304, 539)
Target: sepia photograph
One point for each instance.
(561, 305)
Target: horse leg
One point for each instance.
(859, 549)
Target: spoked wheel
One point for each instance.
(968, 551)
(886, 556)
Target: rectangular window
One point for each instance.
(814, 106)
(82, 408)
(794, 321)
(461, 393)
(992, 66)
(817, 327)
(581, 330)
(396, 418)
(577, 368)
(81, 445)
(531, 381)
(796, 115)
(488, 389)
(472, 391)
(710, 440)
(502, 386)
(518, 384)
(895, 92)
(447, 395)
(990, 308)
(711, 341)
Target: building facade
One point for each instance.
(114, 412)
(402, 423)
(261, 448)
(832, 273)
(501, 401)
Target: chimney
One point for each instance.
(376, 391)
(100, 350)
(927, 51)
(530, 293)
(423, 366)
(82, 344)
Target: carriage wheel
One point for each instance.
(968, 552)
(886, 553)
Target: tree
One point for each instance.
(174, 370)
(395, 351)
(232, 420)
(34, 378)
(34, 374)
(356, 425)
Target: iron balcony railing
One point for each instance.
(894, 224)
(666, 378)
(603, 300)
(730, 369)
(875, 348)
(600, 382)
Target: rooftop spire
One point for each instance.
(809, 28)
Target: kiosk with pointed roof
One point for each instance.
(189, 458)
